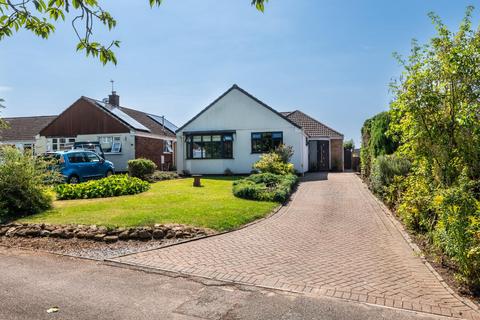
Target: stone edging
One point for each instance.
(99, 233)
(401, 229)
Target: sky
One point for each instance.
(331, 59)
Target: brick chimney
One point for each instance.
(114, 99)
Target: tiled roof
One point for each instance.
(312, 127)
(24, 128)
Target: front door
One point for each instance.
(319, 155)
(323, 155)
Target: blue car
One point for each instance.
(81, 165)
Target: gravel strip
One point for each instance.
(85, 248)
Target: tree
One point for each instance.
(349, 144)
(3, 124)
(436, 109)
(39, 16)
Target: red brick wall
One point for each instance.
(337, 154)
(152, 149)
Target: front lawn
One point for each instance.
(173, 201)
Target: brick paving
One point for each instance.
(333, 239)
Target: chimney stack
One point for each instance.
(114, 99)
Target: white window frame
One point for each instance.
(167, 146)
(116, 142)
(60, 146)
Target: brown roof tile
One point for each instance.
(24, 128)
(312, 127)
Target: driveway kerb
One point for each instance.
(399, 226)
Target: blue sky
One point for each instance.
(330, 59)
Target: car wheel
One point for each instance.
(109, 173)
(73, 180)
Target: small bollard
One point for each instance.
(196, 180)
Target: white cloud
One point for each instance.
(5, 88)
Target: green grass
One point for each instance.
(174, 201)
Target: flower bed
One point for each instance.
(265, 187)
(113, 186)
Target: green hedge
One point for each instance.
(113, 186)
(141, 168)
(265, 187)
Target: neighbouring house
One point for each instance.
(21, 131)
(234, 130)
(123, 133)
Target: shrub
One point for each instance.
(23, 187)
(273, 163)
(285, 152)
(161, 176)
(141, 168)
(265, 187)
(228, 172)
(113, 186)
(458, 231)
(415, 207)
(384, 171)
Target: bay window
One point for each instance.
(209, 146)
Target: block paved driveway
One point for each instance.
(333, 239)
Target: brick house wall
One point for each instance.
(337, 154)
(152, 149)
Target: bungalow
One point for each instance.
(234, 130)
(21, 131)
(123, 133)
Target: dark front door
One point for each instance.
(347, 156)
(323, 155)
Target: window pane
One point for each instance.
(197, 138)
(216, 138)
(116, 147)
(228, 138)
(197, 151)
(277, 135)
(76, 157)
(207, 138)
(228, 149)
(266, 141)
(91, 157)
(213, 150)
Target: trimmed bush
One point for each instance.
(265, 187)
(141, 168)
(113, 186)
(23, 187)
(161, 176)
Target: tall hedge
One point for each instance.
(375, 141)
